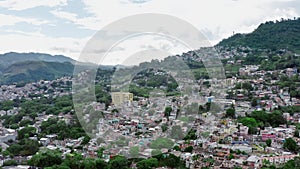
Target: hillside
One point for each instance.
(29, 71)
(29, 67)
(271, 35)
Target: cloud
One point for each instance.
(10, 20)
(220, 17)
(134, 1)
(65, 15)
(139, 1)
(92, 23)
(27, 4)
(36, 42)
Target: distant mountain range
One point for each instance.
(27, 67)
(284, 34)
(13, 57)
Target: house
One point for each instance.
(7, 134)
(45, 141)
(253, 161)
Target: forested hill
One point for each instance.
(29, 67)
(10, 58)
(284, 34)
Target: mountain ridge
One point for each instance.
(10, 58)
(284, 34)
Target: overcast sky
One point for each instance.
(64, 26)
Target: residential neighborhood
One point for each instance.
(225, 131)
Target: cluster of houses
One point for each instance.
(127, 122)
(36, 90)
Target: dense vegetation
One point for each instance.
(31, 71)
(29, 112)
(30, 67)
(147, 80)
(53, 160)
(262, 119)
(31, 109)
(284, 34)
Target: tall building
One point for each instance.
(119, 98)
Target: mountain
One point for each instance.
(30, 71)
(284, 34)
(8, 59)
(29, 67)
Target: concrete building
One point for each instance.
(119, 98)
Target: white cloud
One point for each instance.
(9, 20)
(27, 4)
(36, 42)
(134, 1)
(92, 23)
(221, 17)
(65, 15)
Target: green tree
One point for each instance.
(25, 123)
(176, 148)
(118, 162)
(172, 161)
(231, 156)
(254, 102)
(47, 158)
(191, 135)
(251, 123)
(73, 160)
(291, 164)
(230, 113)
(188, 149)
(30, 147)
(101, 164)
(276, 118)
(7, 105)
(147, 163)
(290, 144)
(14, 149)
(164, 127)
(10, 163)
(100, 152)
(31, 131)
(88, 163)
(296, 133)
(167, 111)
(269, 142)
(5, 153)
(85, 140)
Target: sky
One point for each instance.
(65, 26)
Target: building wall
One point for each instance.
(119, 98)
(7, 137)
